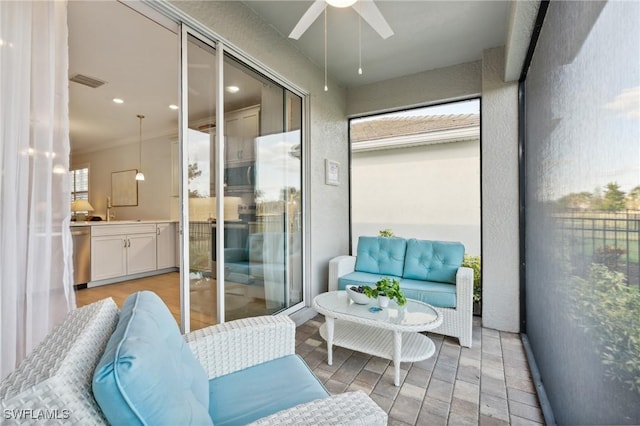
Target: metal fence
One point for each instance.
(611, 239)
(200, 246)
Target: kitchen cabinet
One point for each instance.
(119, 250)
(166, 245)
(241, 128)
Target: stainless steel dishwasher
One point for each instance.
(81, 254)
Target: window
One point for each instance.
(80, 184)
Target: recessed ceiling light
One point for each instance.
(233, 89)
(174, 107)
(118, 100)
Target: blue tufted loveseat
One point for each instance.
(428, 271)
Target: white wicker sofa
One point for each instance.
(53, 385)
(436, 278)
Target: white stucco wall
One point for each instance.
(500, 227)
(328, 234)
(434, 86)
(429, 192)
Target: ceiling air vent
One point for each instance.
(87, 81)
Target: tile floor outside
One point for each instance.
(487, 384)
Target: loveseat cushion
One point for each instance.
(264, 389)
(148, 375)
(359, 278)
(381, 255)
(432, 260)
(441, 295)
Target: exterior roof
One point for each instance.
(390, 127)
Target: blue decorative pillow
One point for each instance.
(433, 260)
(381, 255)
(147, 374)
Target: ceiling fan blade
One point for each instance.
(370, 13)
(308, 18)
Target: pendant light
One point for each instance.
(140, 175)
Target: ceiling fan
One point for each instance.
(367, 9)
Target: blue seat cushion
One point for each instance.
(359, 278)
(381, 255)
(437, 294)
(442, 295)
(250, 394)
(433, 260)
(147, 374)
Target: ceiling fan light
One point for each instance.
(341, 3)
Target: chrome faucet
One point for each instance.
(110, 213)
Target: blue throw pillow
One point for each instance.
(381, 255)
(147, 374)
(433, 260)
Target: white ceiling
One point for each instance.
(428, 35)
(138, 58)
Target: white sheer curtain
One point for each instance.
(35, 242)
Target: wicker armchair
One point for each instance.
(236, 345)
(55, 380)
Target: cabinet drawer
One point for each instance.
(136, 228)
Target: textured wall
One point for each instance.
(500, 235)
(434, 86)
(329, 205)
(434, 193)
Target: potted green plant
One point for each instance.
(386, 289)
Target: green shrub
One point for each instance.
(474, 263)
(609, 310)
(387, 233)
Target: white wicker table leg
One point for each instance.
(330, 326)
(397, 350)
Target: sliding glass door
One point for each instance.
(262, 188)
(241, 188)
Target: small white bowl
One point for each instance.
(358, 298)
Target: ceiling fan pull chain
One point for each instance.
(359, 45)
(326, 88)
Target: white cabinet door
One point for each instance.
(250, 130)
(141, 253)
(233, 139)
(108, 257)
(241, 130)
(166, 245)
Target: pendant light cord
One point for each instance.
(326, 88)
(140, 116)
(359, 45)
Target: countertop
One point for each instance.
(120, 222)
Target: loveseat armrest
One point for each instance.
(339, 266)
(351, 408)
(464, 304)
(236, 345)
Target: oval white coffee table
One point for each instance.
(392, 333)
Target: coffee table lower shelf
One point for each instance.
(380, 342)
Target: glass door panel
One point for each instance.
(262, 194)
(199, 150)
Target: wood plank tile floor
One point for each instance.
(487, 384)
(240, 302)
